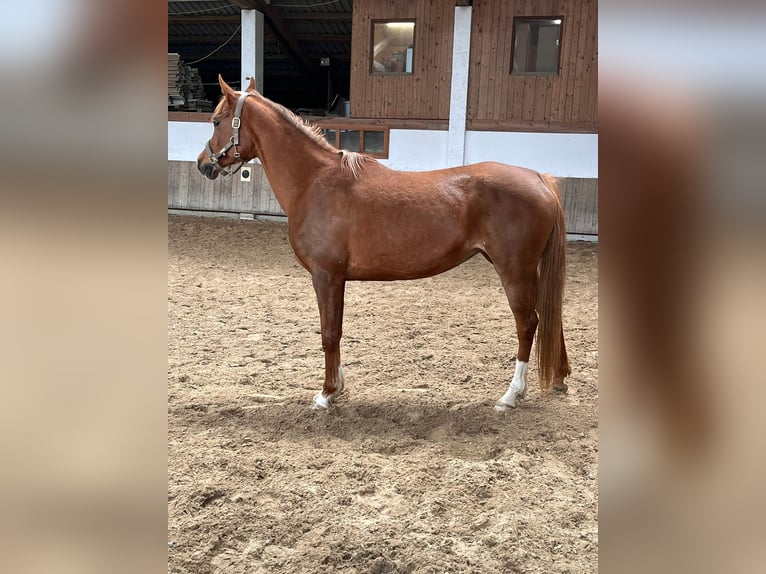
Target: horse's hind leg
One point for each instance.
(520, 291)
(330, 291)
(563, 371)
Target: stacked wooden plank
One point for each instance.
(195, 92)
(185, 89)
(176, 77)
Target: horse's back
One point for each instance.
(490, 193)
(469, 179)
(442, 217)
(389, 224)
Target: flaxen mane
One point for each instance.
(350, 160)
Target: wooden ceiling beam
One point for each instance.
(325, 38)
(269, 38)
(268, 58)
(278, 57)
(235, 18)
(317, 16)
(204, 19)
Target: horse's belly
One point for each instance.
(407, 255)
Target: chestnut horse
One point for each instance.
(350, 218)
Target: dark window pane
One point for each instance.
(374, 142)
(392, 47)
(536, 46)
(329, 135)
(349, 139)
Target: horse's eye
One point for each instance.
(215, 123)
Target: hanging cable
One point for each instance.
(218, 48)
(202, 11)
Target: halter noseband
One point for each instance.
(233, 140)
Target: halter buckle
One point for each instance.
(235, 123)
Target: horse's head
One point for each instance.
(227, 150)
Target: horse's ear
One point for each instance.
(225, 88)
(251, 85)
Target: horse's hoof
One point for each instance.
(501, 407)
(560, 387)
(321, 403)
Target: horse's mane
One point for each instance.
(350, 160)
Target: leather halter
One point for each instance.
(233, 140)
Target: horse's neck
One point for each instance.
(289, 156)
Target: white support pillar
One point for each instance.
(461, 48)
(252, 48)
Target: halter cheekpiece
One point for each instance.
(233, 140)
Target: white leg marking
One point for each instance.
(516, 389)
(322, 402)
(341, 381)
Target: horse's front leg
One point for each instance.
(330, 291)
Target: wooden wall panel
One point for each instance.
(580, 197)
(565, 102)
(188, 189)
(425, 93)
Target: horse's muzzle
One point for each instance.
(207, 168)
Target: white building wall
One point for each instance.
(187, 139)
(562, 155)
(416, 150)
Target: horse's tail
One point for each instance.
(550, 294)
